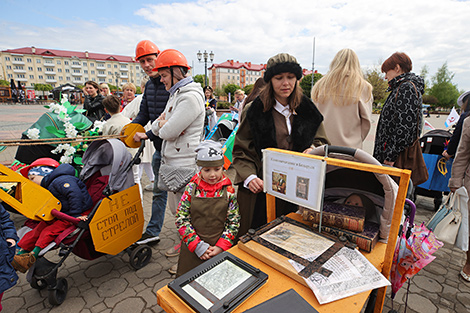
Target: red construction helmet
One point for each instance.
(169, 58)
(145, 47)
(39, 162)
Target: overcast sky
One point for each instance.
(430, 32)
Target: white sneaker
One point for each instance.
(149, 187)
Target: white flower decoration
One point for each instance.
(33, 133)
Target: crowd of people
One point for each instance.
(210, 216)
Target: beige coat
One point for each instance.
(461, 166)
(347, 125)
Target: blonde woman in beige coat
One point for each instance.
(344, 98)
(461, 177)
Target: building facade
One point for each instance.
(32, 65)
(234, 72)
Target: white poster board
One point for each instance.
(295, 178)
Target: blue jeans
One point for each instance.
(158, 200)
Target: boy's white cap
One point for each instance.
(209, 153)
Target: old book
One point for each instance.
(339, 215)
(366, 240)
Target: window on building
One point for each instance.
(68, 78)
(66, 62)
(123, 66)
(92, 72)
(8, 67)
(17, 67)
(109, 73)
(93, 79)
(49, 77)
(76, 63)
(109, 65)
(76, 71)
(39, 69)
(59, 70)
(29, 60)
(84, 63)
(101, 73)
(38, 61)
(110, 80)
(115, 65)
(59, 62)
(92, 64)
(85, 71)
(7, 58)
(40, 77)
(67, 70)
(10, 76)
(20, 75)
(18, 59)
(228, 77)
(30, 68)
(31, 76)
(61, 78)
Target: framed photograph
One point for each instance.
(219, 284)
(301, 188)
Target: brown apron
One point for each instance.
(208, 216)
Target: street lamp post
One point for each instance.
(205, 56)
(117, 75)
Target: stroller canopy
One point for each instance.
(111, 157)
(380, 188)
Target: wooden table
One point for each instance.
(278, 283)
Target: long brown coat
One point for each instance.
(257, 131)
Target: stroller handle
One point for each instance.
(65, 217)
(342, 150)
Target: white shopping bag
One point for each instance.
(461, 242)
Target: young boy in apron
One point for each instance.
(207, 217)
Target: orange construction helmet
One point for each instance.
(145, 47)
(39, 162)
(169, 58)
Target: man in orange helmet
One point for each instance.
(153, 103)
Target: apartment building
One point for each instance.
(30, 65)
(234, 72)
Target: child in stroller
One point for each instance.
(73, 195)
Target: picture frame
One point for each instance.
(219, 285)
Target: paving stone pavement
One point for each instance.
(110, 284)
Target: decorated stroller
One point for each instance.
(432, 146)
(114, 223)
(225, 131)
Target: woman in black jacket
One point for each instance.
(93, 102)
(401, 118)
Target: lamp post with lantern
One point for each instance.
(205, 56)
(117, 75)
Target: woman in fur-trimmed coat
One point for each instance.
(280, 117)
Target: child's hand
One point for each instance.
(215, 250)
(206, 255)
(83, 217)
(11, 241)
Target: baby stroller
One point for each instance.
(222, 130)
(114, 223)
(380, 188)
(432, 146)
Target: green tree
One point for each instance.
(424, 74)
(306, 82)
(199, 78)
(379, 85)
(4, 82)
(443, 89)
(231, 88)
(248, 89)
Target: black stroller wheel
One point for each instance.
(140, 256)
(58, 294)
(38, 284)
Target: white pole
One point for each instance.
(313, 61)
